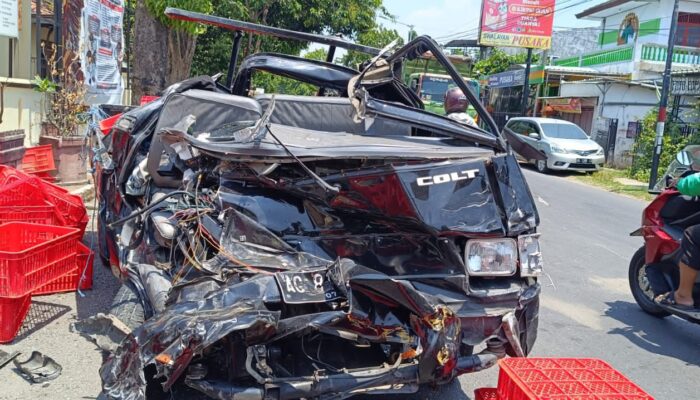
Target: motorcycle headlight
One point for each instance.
(530, 255)
(557, 149)
(491, 257)
(600, 152)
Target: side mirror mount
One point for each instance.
(684, 158)
(534, 135)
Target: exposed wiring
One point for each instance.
(148, 208)
(323, 184)
(330, 367)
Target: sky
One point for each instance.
(440, 18)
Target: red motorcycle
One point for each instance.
(653, 269)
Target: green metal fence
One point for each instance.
(621, 54)
(681, 55)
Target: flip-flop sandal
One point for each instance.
(669, 301)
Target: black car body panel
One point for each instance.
(279, 260)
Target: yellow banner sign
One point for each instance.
(515, 40)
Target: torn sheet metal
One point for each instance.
(312, 247)
(105, 330)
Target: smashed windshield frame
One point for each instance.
(419, 48)
(369, 106)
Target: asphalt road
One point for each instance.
(587, 309)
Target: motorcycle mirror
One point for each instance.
(684, 158)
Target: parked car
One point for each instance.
(284, 247)
(564, 144)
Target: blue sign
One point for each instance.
(507, 79)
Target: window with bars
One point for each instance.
(688, 33)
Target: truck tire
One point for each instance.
(639, 286)
(127, 307)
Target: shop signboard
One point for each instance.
(517, 23)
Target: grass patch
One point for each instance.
(609, 179)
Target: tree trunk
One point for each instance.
(161, 56)
(263, 21)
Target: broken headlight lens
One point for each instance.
(530, 255)
(491, 257)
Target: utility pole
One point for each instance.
(526, 81)
(661, 120)
(543, 57)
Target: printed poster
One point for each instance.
(102, 49)
(517, 23)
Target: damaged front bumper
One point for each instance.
(233, 344)
(395, 379)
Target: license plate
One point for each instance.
(583, 160)
(299, 287)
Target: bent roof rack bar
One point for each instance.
(234, 25)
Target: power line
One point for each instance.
(395, 21)
(609, 29)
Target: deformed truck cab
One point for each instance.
(307, 246)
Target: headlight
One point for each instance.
(530, 255)
(600, 152)
(491, 257)
(557, 149)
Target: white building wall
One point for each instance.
(22, 109)
(624, 102)
(662, 10)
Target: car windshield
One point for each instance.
(434, 88)
(563, 131)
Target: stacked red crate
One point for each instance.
(560, 379)
(41, 225)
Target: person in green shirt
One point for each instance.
(689, 264)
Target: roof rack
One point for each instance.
(240, 26)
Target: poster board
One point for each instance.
(517, 23)
(102, 46)
(9, 18)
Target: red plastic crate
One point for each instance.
(9, 174)
(46, 214)
(72, 281)
(38, 159)
(486, 394)
(45, 176)
(564, 379)
(147, 99)
(19, 188)
(12, 313)
(70, 206)
(21, 191)
(107, 123)
(31, 255)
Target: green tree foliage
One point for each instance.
(349, 18)
(643, 149)
(279, 84)
(499, 61)
(378, 37)
(157, 9)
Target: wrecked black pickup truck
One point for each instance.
(284, 247)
